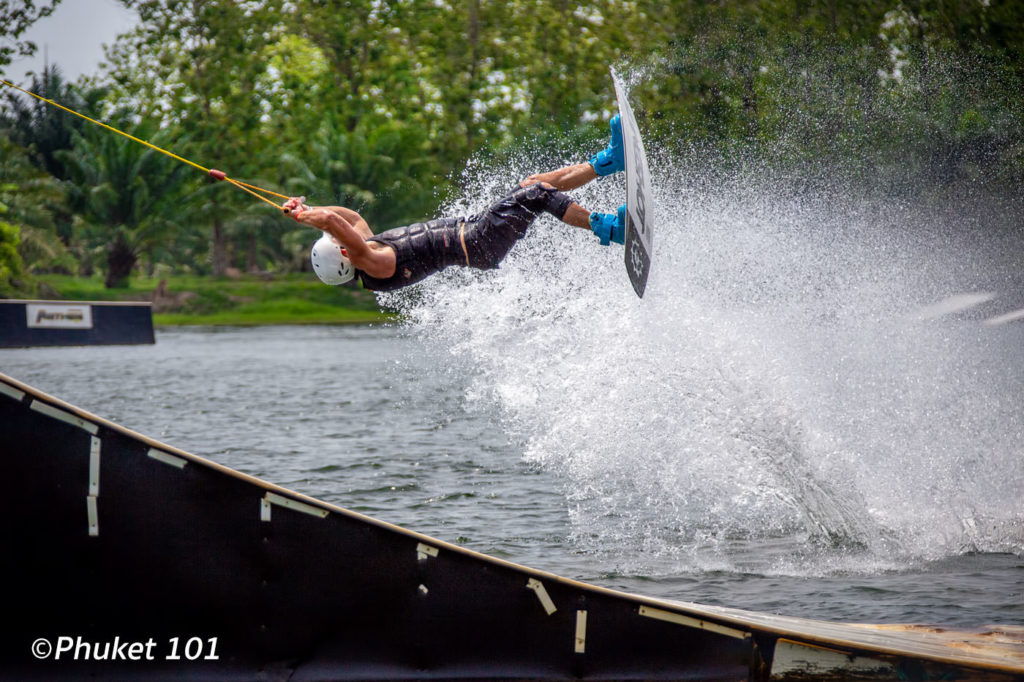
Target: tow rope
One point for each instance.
(212, 172)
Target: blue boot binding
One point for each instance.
(613, 158)
(609, 227)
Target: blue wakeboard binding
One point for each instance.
(609, 227)
(611, 159)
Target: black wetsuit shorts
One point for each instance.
(481, 242)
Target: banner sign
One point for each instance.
(59, 316)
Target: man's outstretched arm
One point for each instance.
(294, 206)
(564, 179)
(351, 231)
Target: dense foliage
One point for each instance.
(377, 104)
(16, 16)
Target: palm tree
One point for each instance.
(44, 130)
(45, 133)
(127, 197)
(383, 171)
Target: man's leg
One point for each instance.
(554, 202)
(507, 220)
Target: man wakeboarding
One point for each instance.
(403, 256)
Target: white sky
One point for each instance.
(73, 38)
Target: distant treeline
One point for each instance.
(377, 104)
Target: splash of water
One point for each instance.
(774, 401)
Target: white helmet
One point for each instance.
(329, 263)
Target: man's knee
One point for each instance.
(542, 196)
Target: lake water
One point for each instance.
(386, 422)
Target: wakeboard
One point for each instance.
(639, 205)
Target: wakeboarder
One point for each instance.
(403, 256)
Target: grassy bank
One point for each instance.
(247, 300)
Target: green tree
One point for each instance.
(377, 103)
(41, 128)
(196, 65)
(127, 197)
(16, 16)
(472, 74)
(31, 199)
(44, 132)
(498, 70)
(351, 89)
(883, 95)
(369, 64)
(384, 171)
(10, 260)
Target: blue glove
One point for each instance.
(611, 159)
(609, 227)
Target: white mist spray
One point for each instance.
(774, 402)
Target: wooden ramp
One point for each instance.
(125, 558)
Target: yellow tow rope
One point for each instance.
(212, 172)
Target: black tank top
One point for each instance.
(421, 249)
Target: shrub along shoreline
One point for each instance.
(246, 300)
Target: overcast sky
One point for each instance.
(73, 37)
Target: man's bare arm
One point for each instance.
(376, 262)
(352, 218)
(564, 179)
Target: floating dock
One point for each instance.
(74, 323)
(125, 558)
